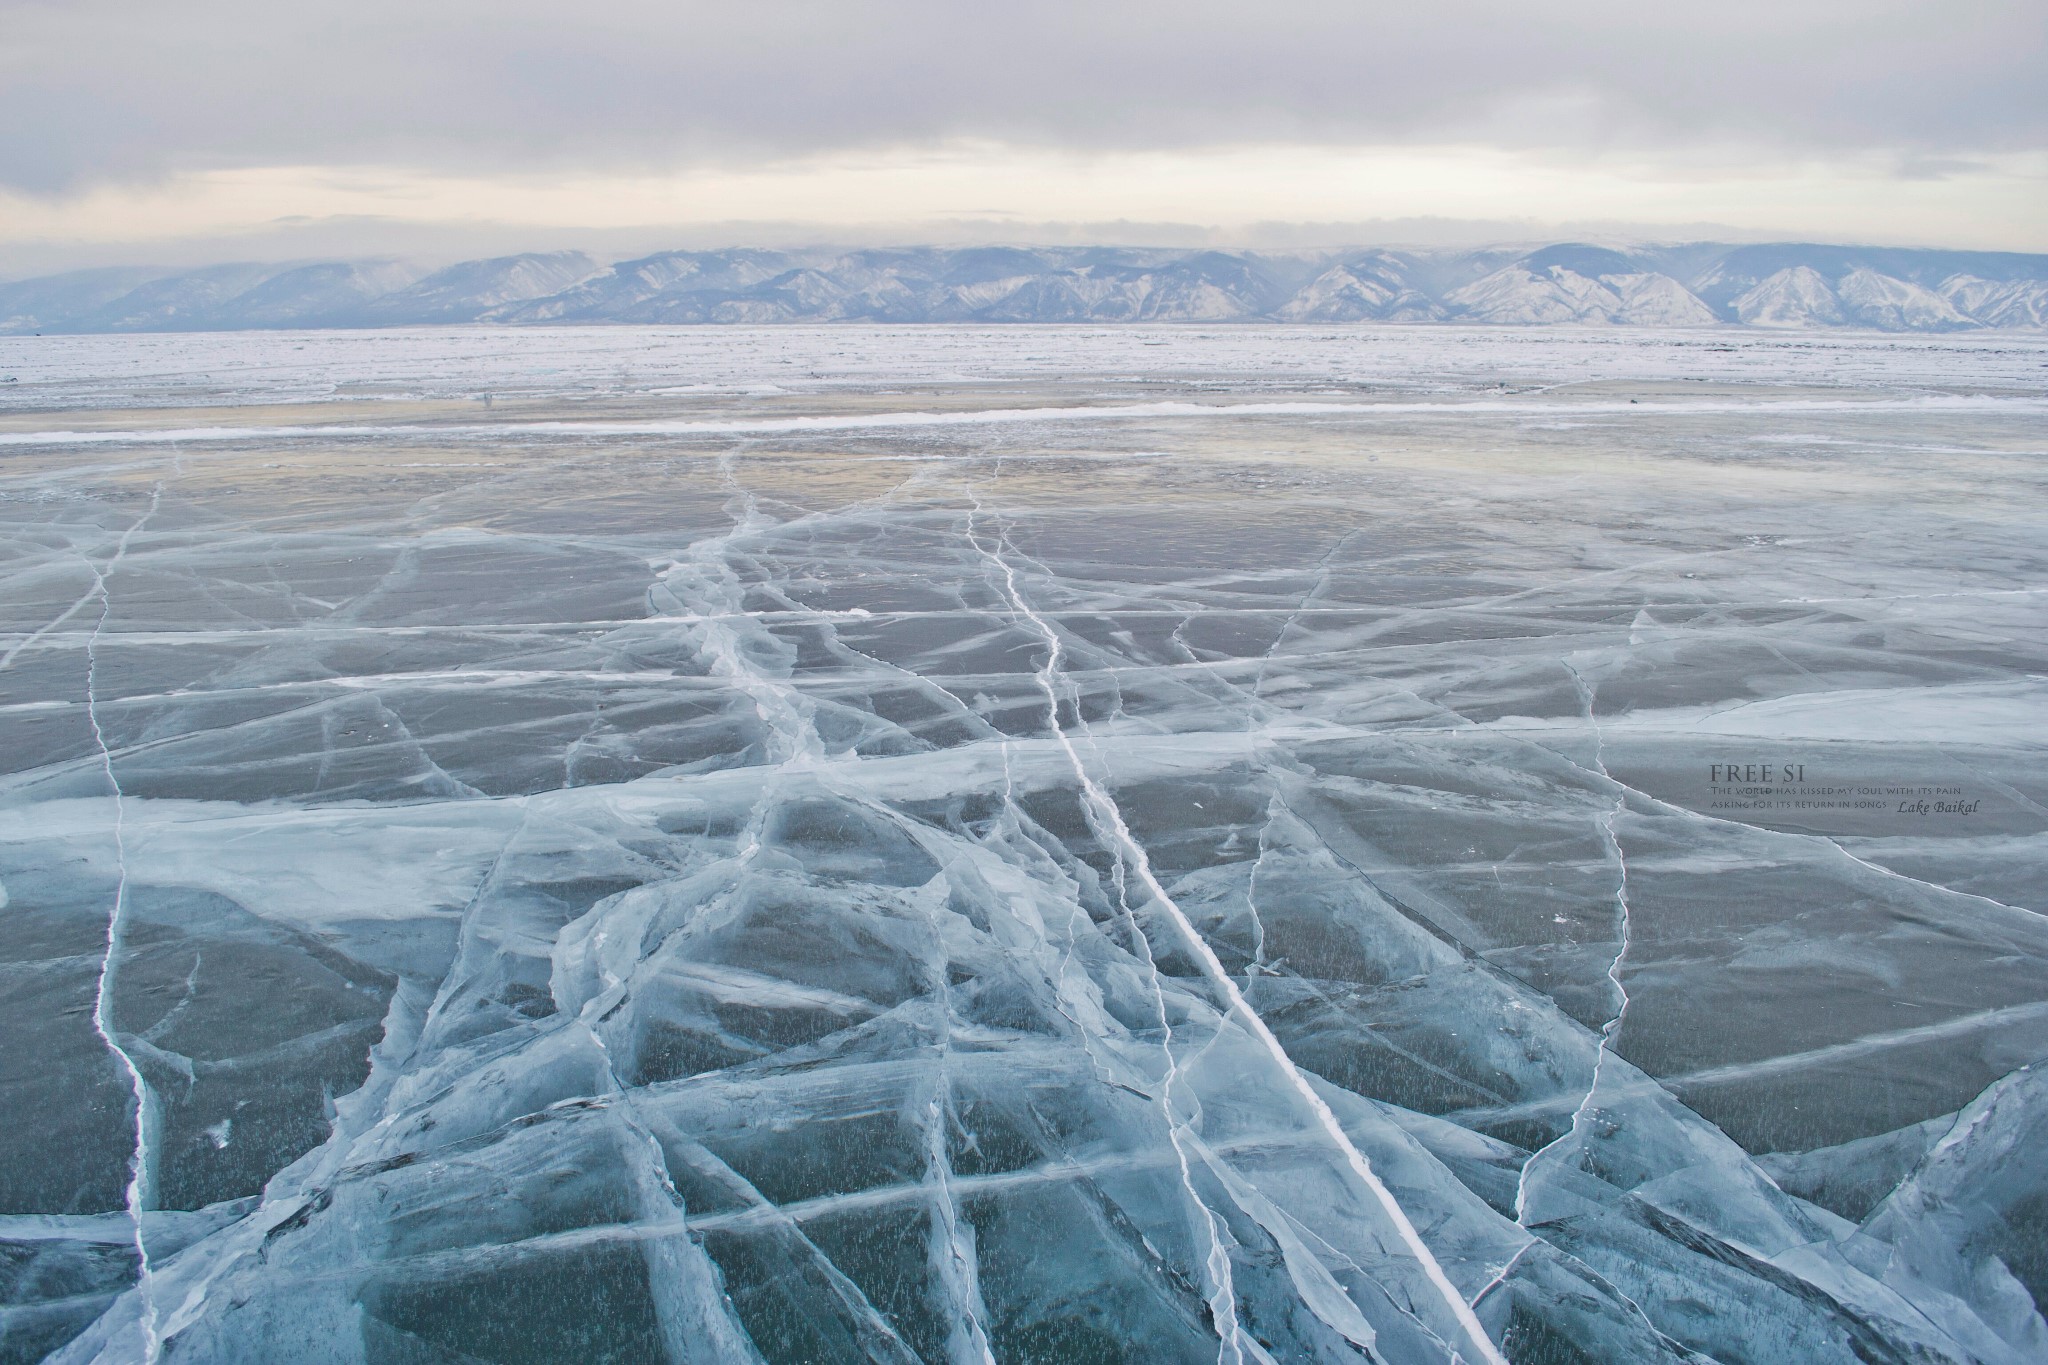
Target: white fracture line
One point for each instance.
(1607, 1031)
(1213, 968)
(138, 1193)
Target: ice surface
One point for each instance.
(1046, 845)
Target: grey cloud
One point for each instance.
(111, 89)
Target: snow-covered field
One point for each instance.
(583, 365)
(1033, 844)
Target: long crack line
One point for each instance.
(139, 1192)
(1131, 851)
(1613, 1025)
(1222, 1297)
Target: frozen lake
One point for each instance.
(1035, 844)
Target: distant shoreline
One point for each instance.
(1790, 287)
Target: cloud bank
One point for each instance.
(1145, 110)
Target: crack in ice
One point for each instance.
(1133, 852)
(1607, 823)
(139, 1193)
(1222, 1300)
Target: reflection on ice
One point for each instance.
(1245, 885)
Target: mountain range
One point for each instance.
(1697, 285)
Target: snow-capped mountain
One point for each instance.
(1875, 300)
(1371, 287)
(1698, 285)
(2018, 303)
(644, 290)
(1583, 285)
(474, 289)
(1798, 297)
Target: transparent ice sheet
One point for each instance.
(986, 853)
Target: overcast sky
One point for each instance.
(129, 121)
